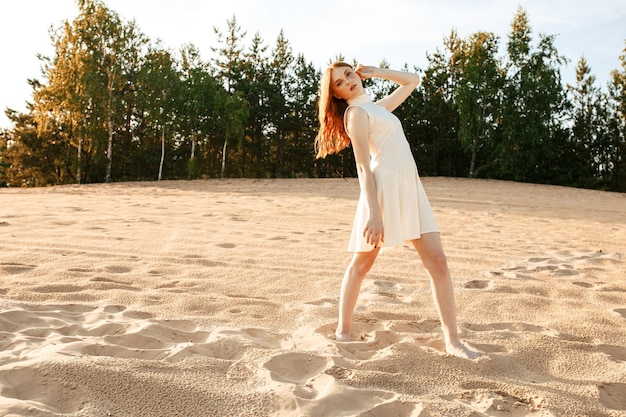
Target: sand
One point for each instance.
(219, 298)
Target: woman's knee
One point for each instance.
(437, 263)
(362, 264)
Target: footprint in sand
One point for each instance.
(599, 286)
(384, 292)
(317, 387)
(511, 272)
(15, 268)
(396, 408)
(81, 270)
(621, 312)
(237, 218)
(613, 395)
(323, 302)
(371, 339)
(496, 403)
(564, 264)
(368, 339)
(477, 284)
(510, 327)
(227, 245)
(108, 283)
(296, 367)
(504, 330)
(58, 288)
(116, 269)
(323, 393)
(566, 272)
(617, 353)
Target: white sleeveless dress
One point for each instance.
(405, 207)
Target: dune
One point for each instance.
(219, 298)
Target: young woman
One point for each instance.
(393, 206)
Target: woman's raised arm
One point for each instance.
(407, 82)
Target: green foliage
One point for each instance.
(28, 159)
(435, 141)
(587, 153)
(615, 167)
(112, 105)
(477, 91)
(531, 132)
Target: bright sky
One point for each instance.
(400, 31)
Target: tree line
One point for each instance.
(114, 106)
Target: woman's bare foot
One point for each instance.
(461, 351)
(342, 337)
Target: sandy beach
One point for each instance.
(219, 298)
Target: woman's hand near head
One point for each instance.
(366, 71)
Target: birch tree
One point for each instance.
(159, 86)
(85, 78)
(229, 63)
(477, 94)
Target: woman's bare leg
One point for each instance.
(360, 264)
(434, 259)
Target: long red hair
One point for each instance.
(332, 136)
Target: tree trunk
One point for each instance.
(162, 152)
(110, 124)
(224, 158)
(191, 166)
(279, 157)
(79, 160)
(110, 148)
(473, 161)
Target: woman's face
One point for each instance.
(345, 83)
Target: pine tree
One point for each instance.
(531, 132)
